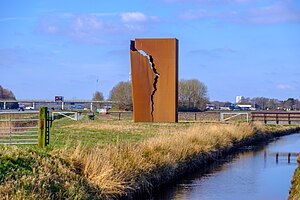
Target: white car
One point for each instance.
(29, 108)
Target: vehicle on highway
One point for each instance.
(21, 107)
(29, 108)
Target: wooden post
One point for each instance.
(277, 154)
(42, 127)
(289, 158)
(119, 116)
(195, 116)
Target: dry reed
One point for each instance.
(120, 169)
(295, 189)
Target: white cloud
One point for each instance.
(213, 53)
(52, 29)
(90, 28)
(279, 12)
(137, 17)
(91, 25)
(14, 19)
(201, 14)
(209, 2)
(284, 87)
(133, 17)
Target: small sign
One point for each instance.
(101, 110)
(59, 98)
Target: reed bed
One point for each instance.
(31, 173)
(121, 170)
(295, 189)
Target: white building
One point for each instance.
(238, 99)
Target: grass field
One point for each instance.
(101, 132)
(104, 159)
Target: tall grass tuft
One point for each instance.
(295, 189)
(30, 173)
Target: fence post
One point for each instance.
(10, 126)
(42, 132)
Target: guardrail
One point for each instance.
(276, 117)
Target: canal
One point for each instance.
(252, 174)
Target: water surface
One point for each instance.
(252, 174)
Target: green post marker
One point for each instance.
(42, 127)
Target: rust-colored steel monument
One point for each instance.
(154, 69)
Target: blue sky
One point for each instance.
(75, 47)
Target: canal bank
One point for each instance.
(161, 178)
(295, 189)
(123, 169)
(252, 173)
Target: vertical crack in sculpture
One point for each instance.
(154, 89)
(152, 66)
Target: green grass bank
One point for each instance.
(295, 189)
(118, 159)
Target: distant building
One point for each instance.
(210, 107)
(225, 108)
(244, 107)
(238, 99)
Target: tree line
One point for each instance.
(7, 94)
(263, 103)
(192, 95)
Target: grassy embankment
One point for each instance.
(295, 189)
(112, 159)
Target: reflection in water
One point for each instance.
(251, 174)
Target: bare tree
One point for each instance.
(122, 93)
(192, 95)
(261, 102)
(289, 104)
(297, 104)
(271, 104)
(98, 96)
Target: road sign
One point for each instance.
(59, 98)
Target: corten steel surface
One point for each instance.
(154, 69)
